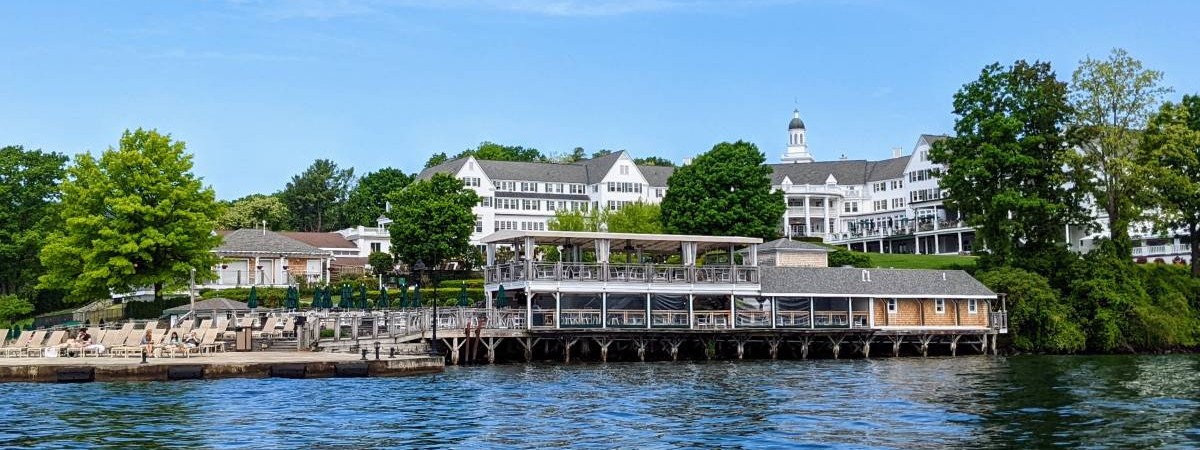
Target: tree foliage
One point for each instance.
(435, 159)
(1170, 165)
(252, 210)
(1112, 100)
(1004, 164)
(432, 220)
(13, 308)
(1038, 319)
(654, 161)
(636, 217)
(368, 199)
(381, 263)
(29, 194)
(841, 257)
(135, 217)
(725, 191)
(314, 196)
(576, 220)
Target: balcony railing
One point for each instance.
(628, 273)
(1166, 249)
(236, 277)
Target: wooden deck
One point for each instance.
(218, 365)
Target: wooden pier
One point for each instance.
(287, 364)
(468, 335)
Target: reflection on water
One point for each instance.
(1036, 401)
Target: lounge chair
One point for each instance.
(130, 346)
(56, 339)
(104, 340)
(173, 349)
(210, 344)
(289, 328)
(17, 346)
(3, 337)
(34, 342)
(268, 328)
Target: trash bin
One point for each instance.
(244, 341)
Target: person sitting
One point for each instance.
(191, 340)
(173, 343)
(148, 342)
(85, 342)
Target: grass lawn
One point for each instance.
(902, 261)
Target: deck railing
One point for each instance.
(998, 320)
(615, 272)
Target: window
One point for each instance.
(939, 306)
(614, 186)
(478, 225)
(658, 192)
(531, 205)
(595, 188)
(972, 306)
(505, 185)
(624, 169)
(891, 306)
(897, 184)
(897, 203)
(485, 201)
(549, 205)
(529, 187)
(576, 189)
(376, 247)
(880, 205)
(470, 181)
(617, 205)
(879, 187)
(851, 207)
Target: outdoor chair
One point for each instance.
(35, 341)
(16, 347)
(56, 338)
(268, 328)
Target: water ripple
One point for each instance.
(977, 402)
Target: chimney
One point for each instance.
(897, 151)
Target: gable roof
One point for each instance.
(320, 240)
(784, 244)
(931, 138)
(596, 168)
(856, 171)
(656, 176)
(848, 282)
(451, 167)
(248, 240)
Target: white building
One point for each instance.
(524, 196)
(893, 205)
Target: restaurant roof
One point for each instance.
(884, 283)
(647, 242)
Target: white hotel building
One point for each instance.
(891, 206)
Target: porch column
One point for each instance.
(732, 312)
(871, 311)
(774, 315)
(917, 244)
(825, 220)
(257, 272)
(602, 251)
(753, 260)
(603, 310)
(807, 217)
(528, 310)
(960, 247)
(557, 309)
(936, 244)
(850, 312)
(880, 246)
(529, 246)
(691, 313)
(811, 322)
(647, 310)
(487, 299)
(491, 255)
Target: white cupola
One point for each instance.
(797, 149)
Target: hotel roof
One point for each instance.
(882, 283)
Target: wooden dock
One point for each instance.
(280, 364)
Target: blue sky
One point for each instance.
(259, 89)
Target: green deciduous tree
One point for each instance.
(1004, 166)
(575, 220)
(381, 263)
(1038, 319)
(135, 217)
(369, 197)
(1112, 100)
(13, 308)
(314, 197)
(432, 220)
(435, 159)
(636, 217)
(654, 161)
(252, 210)
(725, 191)
(1170, 165)
(29, 194)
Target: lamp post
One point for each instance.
(419, 269)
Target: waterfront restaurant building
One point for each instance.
(624, 281)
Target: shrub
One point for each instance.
(842, 257)
(1038, 319)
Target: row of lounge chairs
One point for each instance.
(127, 341)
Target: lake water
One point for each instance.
(976, 401)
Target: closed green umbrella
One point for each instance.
(344, 298)
(253, 301)
(383, 300)
(501, 300)
(462, 296)
(403, 295)
(416, 300)
(362, 296)
(328, 297)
